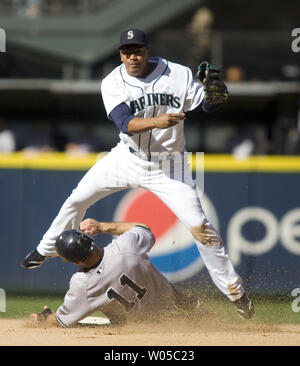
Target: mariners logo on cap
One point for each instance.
(130, 34)
(175, 252)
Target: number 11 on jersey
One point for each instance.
(126, 281)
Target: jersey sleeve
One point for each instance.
(121, 115)
(137, 240)
(194, 93)
(75, 306)
(112, 94)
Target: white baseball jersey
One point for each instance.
(170, 88)
(124, 285)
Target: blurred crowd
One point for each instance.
(41, 136)
(34, 8)
(241, 140)
(206, 34)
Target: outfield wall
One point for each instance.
(254, 203)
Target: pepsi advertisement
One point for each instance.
(256, 213)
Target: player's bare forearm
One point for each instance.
(93, 227)
(140, 125)
(118, 228)
(163, 121)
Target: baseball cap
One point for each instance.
(133, 37)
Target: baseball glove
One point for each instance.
(210, 76)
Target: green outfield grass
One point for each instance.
(21, 306)
(268, 309)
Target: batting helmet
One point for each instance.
(74, 245)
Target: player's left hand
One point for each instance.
(90, 227)
(215, 90)
(42, 316)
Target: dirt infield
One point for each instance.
(15, 332)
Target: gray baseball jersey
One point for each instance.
(124, 285)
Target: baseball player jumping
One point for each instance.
(147, 98)
(119, 280)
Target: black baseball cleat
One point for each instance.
(33, 260)
(244, 307)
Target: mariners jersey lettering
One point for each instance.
(170, 88)
(154, 99)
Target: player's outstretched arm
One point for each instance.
(93, 227)
(163, 121)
